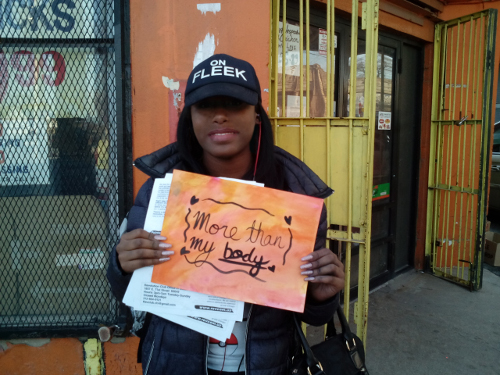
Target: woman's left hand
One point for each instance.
(325, 273)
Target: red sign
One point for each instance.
(28, 73)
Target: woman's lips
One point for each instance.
(223, 135)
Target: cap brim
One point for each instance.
(222, 89)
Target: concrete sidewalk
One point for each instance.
(420, 324)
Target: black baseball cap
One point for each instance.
(223, 75)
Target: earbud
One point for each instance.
(258, 147)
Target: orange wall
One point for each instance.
(165, 36)
(65, 356)
(58, 356)
(121, 358)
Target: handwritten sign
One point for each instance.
(238, 241)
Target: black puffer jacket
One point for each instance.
(171, 349)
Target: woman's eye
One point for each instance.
(228, 103)
(203, 105)
(233, 103)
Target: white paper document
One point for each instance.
(219, 329)
(144, 295)
(158, 204)
(179, 306)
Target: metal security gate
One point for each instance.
(340, 150)
(59, 142)
(460, 146)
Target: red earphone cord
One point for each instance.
(258, 151)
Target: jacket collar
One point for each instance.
(160, 162)
(299, 177)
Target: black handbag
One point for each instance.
(339, 354)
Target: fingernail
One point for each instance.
(307, 257)
(306, 272)
(308, 265)
(164, 245)
(160, 238)
(164, 259)
(167, 253)
(309, 279)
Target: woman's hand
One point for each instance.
(325, 273)
(140, 248)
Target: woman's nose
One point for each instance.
(220, 114)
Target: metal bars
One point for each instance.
(361, 309)
(460, 135)
(338, 149)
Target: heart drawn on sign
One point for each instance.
(271, 268)
(288, 220)
(194, 200)
(184, 251)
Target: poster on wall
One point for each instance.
(24, 153)
(292, 57)
(293, 105)
(52, 76)
(381, 191)
(384, 121)
(323, 42)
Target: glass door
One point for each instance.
(383, 214)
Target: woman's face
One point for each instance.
(224, 127)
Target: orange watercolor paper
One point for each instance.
(248, 249)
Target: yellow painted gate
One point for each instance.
(339, 150)
(460, 146)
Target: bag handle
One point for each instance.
(313, 365)
(350, 343)
(330, 325)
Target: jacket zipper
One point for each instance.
(150, 356)
(206, 356)
(246, 337)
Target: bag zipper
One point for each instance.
(150, 356)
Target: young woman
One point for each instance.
(224, 131)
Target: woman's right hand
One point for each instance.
(140, 248)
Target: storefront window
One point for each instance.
(317, 72)
(58, 163)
